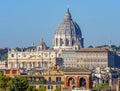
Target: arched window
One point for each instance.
(67, 42)
(72, 42)
(82, 82)
(56, 42)
(12, 55)
(61, 42)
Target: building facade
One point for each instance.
(89, 58)
(67, 79)
(32, 59)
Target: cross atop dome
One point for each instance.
(68, 15)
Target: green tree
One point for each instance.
(4, 57)
(18, 49)
(19, 83)
(100, 86)
(114, 47)
(1, 74)
(90, 46)
(29, 48)
(42, 88)
(3, 54)
(31, 88)
(5, 82)
(57, 89)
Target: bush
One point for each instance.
(100, 86)
(42, 88)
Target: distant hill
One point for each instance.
(3, 54)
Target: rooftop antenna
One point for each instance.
(110, 42)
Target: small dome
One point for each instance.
(42, 45)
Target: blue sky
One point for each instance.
(23, 22)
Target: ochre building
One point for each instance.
(66, 79)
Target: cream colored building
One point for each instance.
(67, 51)
(44, 58)
(89, 58)
(38, 57)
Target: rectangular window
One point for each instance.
(58, 79)
(50, 87)
(49, 79)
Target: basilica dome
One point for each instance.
(69, 27)
(68, 34)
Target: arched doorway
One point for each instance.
(71, 83)
(82, 83)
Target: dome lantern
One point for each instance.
(68, 15)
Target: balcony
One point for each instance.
(60, 82)
(38, 82)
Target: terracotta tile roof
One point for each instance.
(93, 49)
(76, 70)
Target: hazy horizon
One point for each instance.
(25, 22)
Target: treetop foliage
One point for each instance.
(18, 83)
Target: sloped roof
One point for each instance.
(76, 70)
